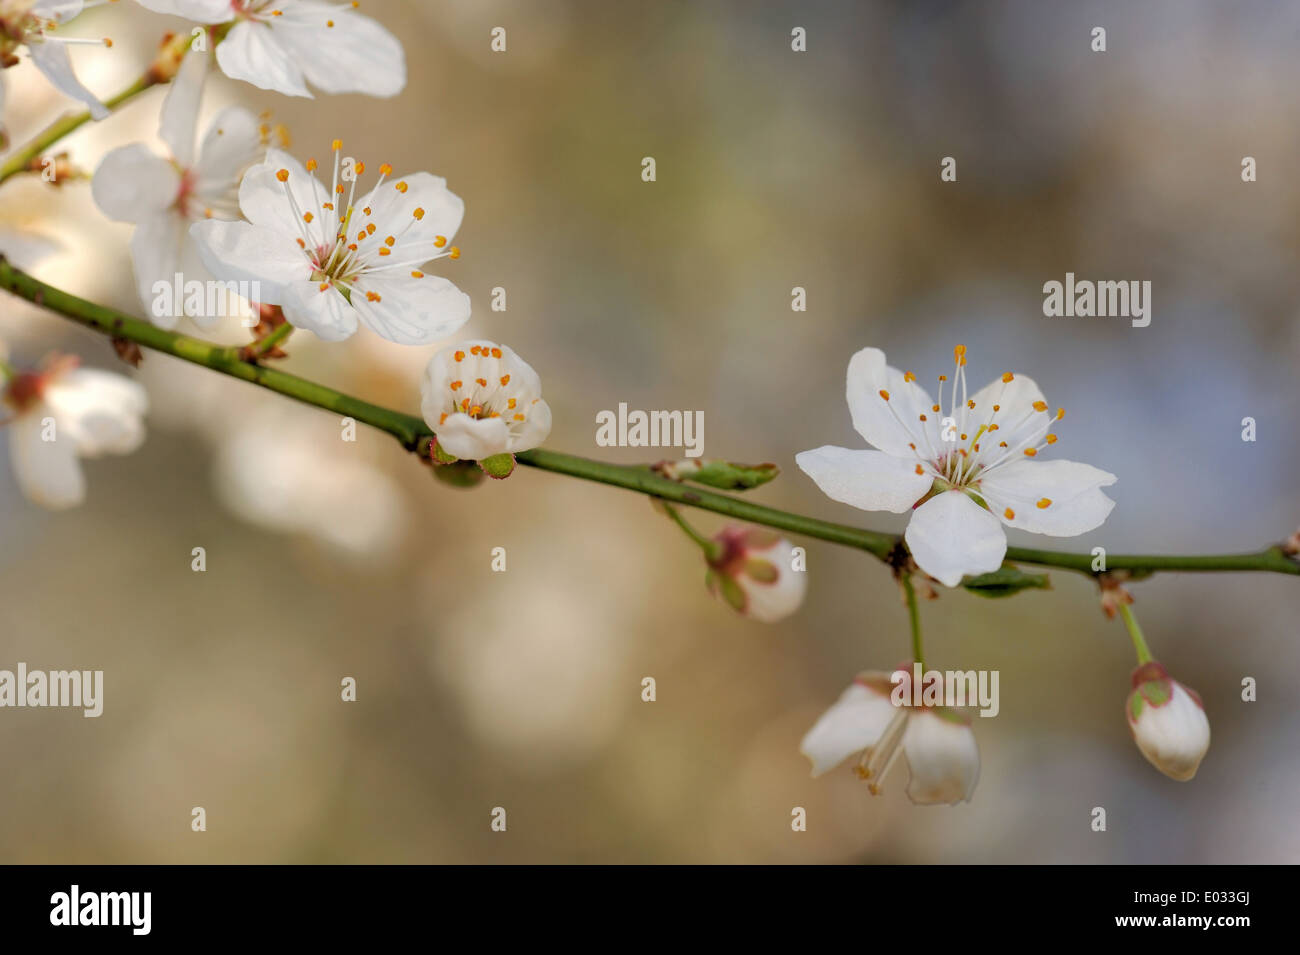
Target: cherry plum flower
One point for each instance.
(965, 472)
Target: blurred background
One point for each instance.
(521, 689)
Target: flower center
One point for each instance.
(484, 389)
(344, 240)
(970, 439)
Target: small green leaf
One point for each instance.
(726, 475)
(1006, 581)
(498, 466)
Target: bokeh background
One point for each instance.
(522, 689)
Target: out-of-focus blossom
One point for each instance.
(30, 25)
(62, 413)
(164, 197)
(302, 480)
(283, 45)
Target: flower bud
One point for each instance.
(754, 573)
(1168, 722)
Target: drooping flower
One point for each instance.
(61, 413)
(283, 45)
(331, 263)
(754, 574)
(482, 400)
(936, 742)
(31, 25)
(164, 197)
(1168, 722)
(966, 472)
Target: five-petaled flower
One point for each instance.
(61, 413)
(331, 260)
(1168, 722)
(31, 25)
(283, 45)
(937, 742)
(482, 400)
(163, 197)
(966, 472)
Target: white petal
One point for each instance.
(240, 252)
(132, 184)
(870, 480)
(250, 53)
(326, 313)
(60, 10)
(535, 429)
(391, 209)
(52, 59)
(100, 411)
(853, 723)
(155, 257)
(355, 55)
(472, 439)
(951, 536)
(410, 311)
(1074, 505)
(180, 108)
(200, 11)
(943, 758)
(891, 424)
(265, 202)
(231, 144)
(47, 471)
(25, 249)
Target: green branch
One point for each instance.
(410, 431)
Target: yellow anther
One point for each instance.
(385, 251)
(324, 286)
(511, 404)
(400, 186)
(959, 355)
(439, 240)
(370, 228)
(385, 169)
(311, 165)
(454, 253)
(519, 417)
(459, 356)
(282, 175)
(455, 385)
(1040, 405)
(908, 376)
(505, 380)
(1050, 439)
(418, 213)
(307, 217)
(923, 418)
(1060, 413)
(482, 382)
(417, 275)
(884, 394)
(971, 404)
(1009, 514)
(1007, 377)
(496, 352)
(919, 469)
(1044, 503)
(359, 168)
(389, 240)
(1030, 452)
(336, 145)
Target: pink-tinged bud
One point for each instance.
(754, 572)
(1168, 722)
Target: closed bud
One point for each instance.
(1168, 722)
